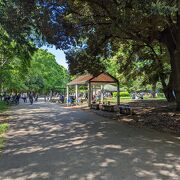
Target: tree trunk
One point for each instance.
(171, 38)
(177, 77)
(175, 68)
(177, 61)
(153, 90)
(168, 89)
(168, 92)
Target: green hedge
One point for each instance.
(122, 94)
(161, 95)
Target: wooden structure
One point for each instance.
(90, 80)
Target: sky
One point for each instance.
(59, 55)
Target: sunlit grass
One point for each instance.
(3, 128)
(157, 98)
(114, 100)
(129, 99)
(3, 125)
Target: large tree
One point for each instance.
(16, 40)
(98, 23)
(18, 25)
(45, 74)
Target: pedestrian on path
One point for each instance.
(31, 98)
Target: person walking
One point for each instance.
(31, 98)
(62, 99)
(18, 96)
(24, 97)
(36, 97)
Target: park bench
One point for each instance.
(126, 109)
(54, 100)
(95, 106)
(107, 107)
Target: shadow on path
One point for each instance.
(46, 141)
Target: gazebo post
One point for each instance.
(118, 94)
(102, 95)
(95, 89)
(76, 94)
(67, 95)
(89, 94)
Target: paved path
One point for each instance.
(47, 141)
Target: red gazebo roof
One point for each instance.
(100, 78)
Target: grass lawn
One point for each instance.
(129, 99)
(3, 128)
(3, 125)
(3, 106)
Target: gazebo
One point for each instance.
(90, 80)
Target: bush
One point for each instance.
(3, 128)
(160, 95)
(122, 94)
(3, 106)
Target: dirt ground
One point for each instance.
(159, 115)
(3, 118)
(155, 114)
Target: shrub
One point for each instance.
(3, 127)
(160, 95)
(122, 94)
(3, 106)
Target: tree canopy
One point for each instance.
(91, 31)
(43, 75)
